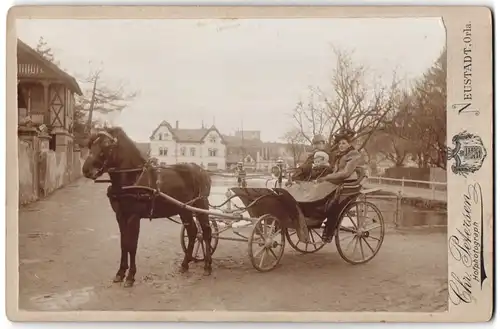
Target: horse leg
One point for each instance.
(122, 224)
(204, 221)
(133, 228)
(189, 224)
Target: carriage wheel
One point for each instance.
(360, 233)
(266, 244)
(199, 244)
(316, 243)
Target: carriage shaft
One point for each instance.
(187, 207)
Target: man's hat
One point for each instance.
(318, 138)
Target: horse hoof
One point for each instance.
(118, 279)
(183, 269)
(207, 272)
(128, 283)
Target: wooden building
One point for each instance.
(46, 95)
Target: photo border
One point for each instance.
(469, 190)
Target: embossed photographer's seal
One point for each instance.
(469, 153)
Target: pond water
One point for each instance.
(410, 216)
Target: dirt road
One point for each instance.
(69, 252)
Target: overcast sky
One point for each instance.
(250, 70)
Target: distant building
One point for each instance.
(204, 146)
(248, 134)
(247, 147)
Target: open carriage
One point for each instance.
(296, 214)
(273, 215)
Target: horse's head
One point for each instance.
(102, 148)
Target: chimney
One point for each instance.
(177, 124)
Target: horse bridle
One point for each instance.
(107, 152)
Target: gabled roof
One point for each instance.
(213, 128)
(68, 79)
(188, 135)
(162, 124)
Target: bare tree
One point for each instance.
(421, 119)
(46, 51)
(384, 145)
(352, 103)
(295, 144)
(101, 98)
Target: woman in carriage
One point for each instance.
(347, 160)
(321, 166)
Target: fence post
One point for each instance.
(433, 190)
(402, 184)
(228, 205)
(379, 180)
(399, 209)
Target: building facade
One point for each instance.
(204, 146)
(48, 157)
(46, 95)
(247, 147)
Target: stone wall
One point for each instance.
(27, 169)
(54, 172)
(42, 171)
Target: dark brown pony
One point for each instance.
(112, 151)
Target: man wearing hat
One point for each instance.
(309, 169)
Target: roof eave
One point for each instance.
(71, 80)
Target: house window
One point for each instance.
(192, 151)
(159, 137)
(163, 151)
(212, 139)
(165, 136)
(183, 151)
(212, 152)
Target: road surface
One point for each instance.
(69, 253)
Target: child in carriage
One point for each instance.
(321, 159)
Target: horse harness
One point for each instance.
(149, 168)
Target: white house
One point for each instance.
(204, 146)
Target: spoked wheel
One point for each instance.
(360, 233)
(266, 244)
(316, 243)
(199, 244)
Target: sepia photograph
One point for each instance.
(237, 164)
